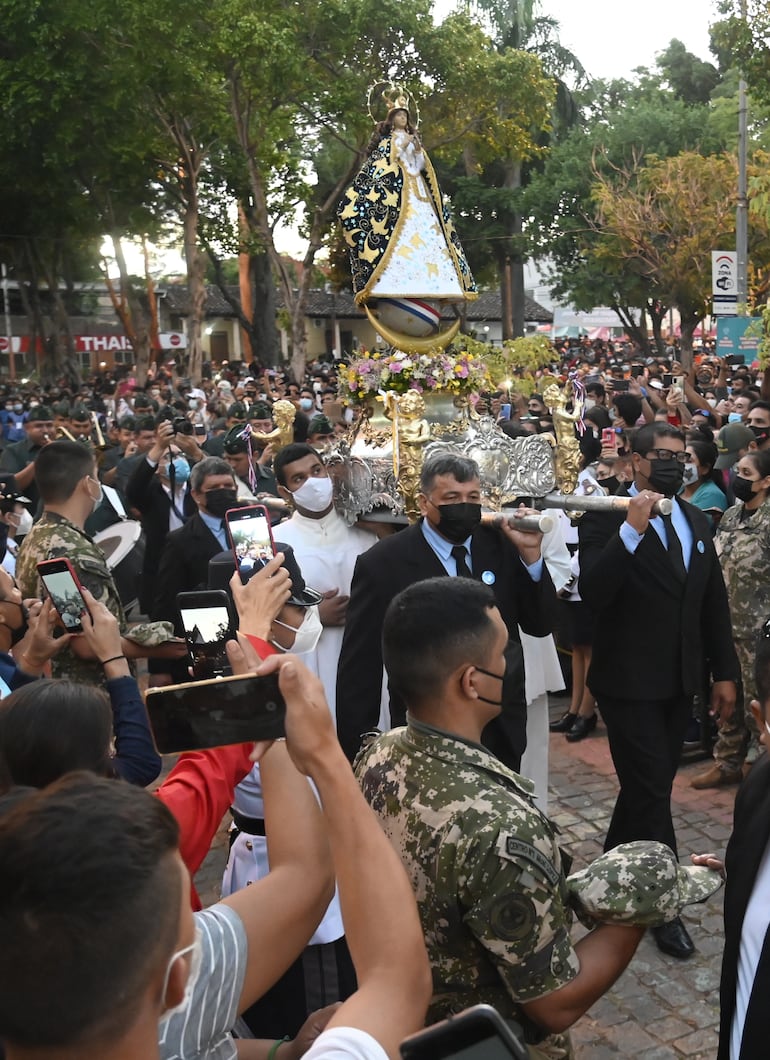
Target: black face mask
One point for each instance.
(760, 433)
(219, 501)
(610, 484)
(458, 521)
(743, 488)
(497, 677)
(666, 476)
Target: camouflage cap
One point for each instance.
(151, 634)
(638, 883)
(731, 439)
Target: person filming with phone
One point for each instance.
(66, 476)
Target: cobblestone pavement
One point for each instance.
(661, 1008)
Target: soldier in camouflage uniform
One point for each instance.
(484, 862)
(70, 490)
(743, 547)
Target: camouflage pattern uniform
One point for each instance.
(485, 867)
(743, 548)
(54, 537)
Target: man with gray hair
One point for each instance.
(447, 540)
(184, 563)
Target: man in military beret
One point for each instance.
(483, 861)
(243, 455)
(19, 458)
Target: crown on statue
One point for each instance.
(395, 97)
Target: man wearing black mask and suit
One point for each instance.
(655, 588)
(449, 539)
(184, 564)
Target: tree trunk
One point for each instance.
(513, 182)
(506, 301)
(688, 323)
(264, 333)
(196, 287)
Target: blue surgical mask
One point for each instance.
(735, 417)
(181, 470)
(306, 404)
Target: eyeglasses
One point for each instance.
(667, 454)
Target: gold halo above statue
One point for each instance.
(410, 343)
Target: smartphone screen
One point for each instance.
(619, 385)
(250, 536)
(61, 585)
(667, 379)
(208, 624)
(225, 710)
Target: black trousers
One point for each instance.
(320, 976)
(645, 739)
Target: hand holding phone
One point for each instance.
(215, 713)
(250, 536)
(63, 587)
(609, 439)
(208, 622)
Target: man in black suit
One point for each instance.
(655, 587)
(184, 563)
(448, 539)
(159, 490)
(744, 1012)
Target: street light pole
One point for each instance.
(742, 209)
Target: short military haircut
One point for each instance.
(645, 437)
(90, 900)
(287, 455)
(430, 629)
(59, 467)
(461, 468)
(212, 465)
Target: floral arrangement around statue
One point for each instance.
(454, 371)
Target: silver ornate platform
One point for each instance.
(366, 487)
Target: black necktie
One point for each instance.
(460, 556)
(674, 548)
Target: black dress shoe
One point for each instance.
(672, 938)
(564, 724)
(581, 728)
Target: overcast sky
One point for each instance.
(611, 38)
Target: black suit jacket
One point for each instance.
(184, 567)
(656, 637)
(392, 565)
(145, 493)
(751, 832)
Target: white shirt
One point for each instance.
(753, 931)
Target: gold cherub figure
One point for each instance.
(411, 432)
(568, 455)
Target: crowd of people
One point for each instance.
(360, 903)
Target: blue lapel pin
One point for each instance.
(701, 547)
(488, 577)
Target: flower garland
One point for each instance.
(454, 369)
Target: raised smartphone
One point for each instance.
(62, 585)
(224, 710)
(478, 1033)
(250, 536)
(209, 622)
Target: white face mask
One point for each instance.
(315, 494)
(196, 949)
(690, 474)
(96, 501)
(25, 523)
(307, 636)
